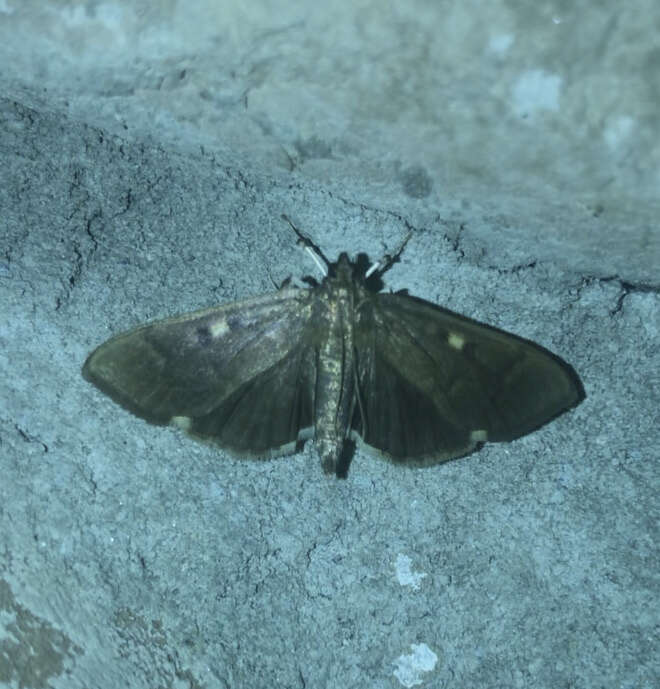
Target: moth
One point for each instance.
(339, 361)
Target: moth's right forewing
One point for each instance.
(480, 378)
(433, 384)
(396, 412)
(187, 365)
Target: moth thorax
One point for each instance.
(341, 294)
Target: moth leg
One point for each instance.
(285, 283)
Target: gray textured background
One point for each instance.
(147, 155)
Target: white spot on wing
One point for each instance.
(219, 328)
(404, 572)
(182, 422)
(411, 667)
(456, 341)
(479, 436)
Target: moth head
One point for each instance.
(343, 267)
(343, 270)
(347, 271)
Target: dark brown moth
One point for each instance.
(340, 362)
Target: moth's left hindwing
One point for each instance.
(240, 375)
(433, 385)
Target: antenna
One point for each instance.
(321, 261)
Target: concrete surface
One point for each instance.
(147, 155)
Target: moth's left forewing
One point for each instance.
(460, 382)
(237, 374)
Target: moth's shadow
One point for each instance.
(347, 454)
